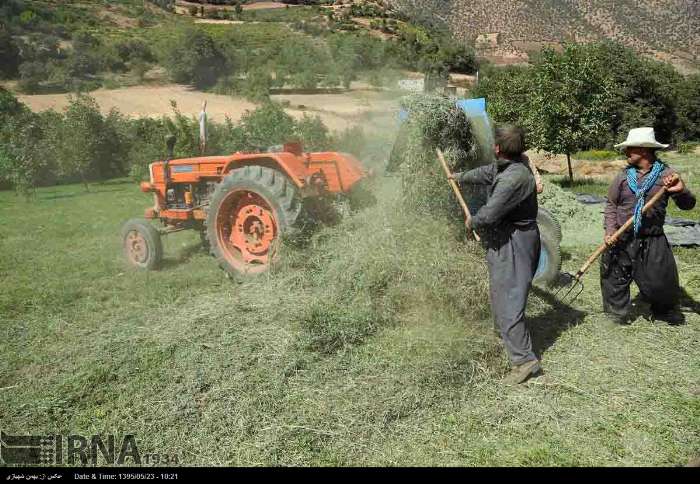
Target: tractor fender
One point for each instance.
(283, 162)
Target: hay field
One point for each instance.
(371, 345)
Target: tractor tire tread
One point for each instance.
(281, 194)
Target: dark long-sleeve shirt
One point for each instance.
(621, 202)
(512, 196)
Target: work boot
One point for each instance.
(520, 373)
(615, 320)
(673, 317)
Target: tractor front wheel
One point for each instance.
(142, 245)
(249, 211)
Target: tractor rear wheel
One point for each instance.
(142, 245)
(249, 211)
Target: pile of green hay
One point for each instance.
(581, 224)
(382, 266)
(435, 122)
(405, 258)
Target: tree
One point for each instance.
(9, 105)
(256, 86)
(89, 145)
(21, 160)
(23, 153)
(313, 133)
(267, 125)
(569, 105)
(457, 57)
(507, 90)
(194, 58)
(645, 91)
(689, 108)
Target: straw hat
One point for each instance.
(641, 138)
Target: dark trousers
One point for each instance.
(512, 265)
(649, 262)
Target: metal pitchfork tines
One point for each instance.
(573, 281)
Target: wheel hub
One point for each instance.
(136, 247)
(253, 232)
(246, 230)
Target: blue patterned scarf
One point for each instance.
(641, 193)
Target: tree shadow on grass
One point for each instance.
(58, 196)
(548, 326)
(564, 182)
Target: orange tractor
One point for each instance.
(241, 203)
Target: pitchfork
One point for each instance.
(573, 281)
(458, 194)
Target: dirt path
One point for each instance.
(582, 168)
(182, 6)
(338, 111)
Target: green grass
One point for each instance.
(262, 372)
(599, 155)
(291, 14)
(252, 36)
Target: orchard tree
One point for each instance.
(569, 106)
(689, 107)
(507, 90)
(313, 133)
(267, 125)
(22, 155)
(194, 58)
(89, 145)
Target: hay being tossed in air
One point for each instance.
(434, 122)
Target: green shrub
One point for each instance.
(31, 74)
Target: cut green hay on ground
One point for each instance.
(396, 259)
(580, 224)
(220, 374)
(383, 266)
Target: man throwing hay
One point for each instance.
(508, 224)
(642, 255)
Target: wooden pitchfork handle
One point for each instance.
(616, 236)
(458, 194)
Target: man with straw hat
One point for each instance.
(642, 255)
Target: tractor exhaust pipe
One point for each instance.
(170, 147)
